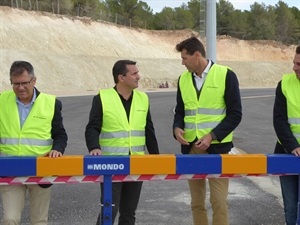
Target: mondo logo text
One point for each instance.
(105, 166)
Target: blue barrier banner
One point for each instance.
(283, 164)
(198, 164)
(17, 166)
(106, 165)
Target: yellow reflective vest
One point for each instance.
(206, 112)
(290, 86)
(34, 138)
(119, 136)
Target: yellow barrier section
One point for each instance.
(63, 166)
(244, 164)
(153, 164)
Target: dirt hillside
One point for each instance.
(78, 54)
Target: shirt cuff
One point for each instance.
(214, 137)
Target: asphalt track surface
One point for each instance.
(252, 200)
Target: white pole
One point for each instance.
(211, 29)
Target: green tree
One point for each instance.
(88, 8)
(262, 20)
(238, 26)
(231, 21)
(144, 16)
(165, 19)
(224, 11)
(296, 13)
(183, 18)
(287, 24)
(197, 13)
(132, 12)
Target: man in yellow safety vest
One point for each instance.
(208, 110)
(120, 124)
(30, 125)
(286, 120)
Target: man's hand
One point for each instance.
(53, 154)
(296, 151)
(178, 132)
(204, 142)
(96, 151)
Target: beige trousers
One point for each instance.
(13, 201)
(218, 198)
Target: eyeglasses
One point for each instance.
(23, 84)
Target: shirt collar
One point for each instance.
(207, 67)
(205, 72)
(32, 100)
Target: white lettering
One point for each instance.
(107, 167)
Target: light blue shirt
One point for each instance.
(23, 109)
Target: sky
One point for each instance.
(158, 5)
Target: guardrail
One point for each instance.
(108, 169)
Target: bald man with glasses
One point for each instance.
(28, 116)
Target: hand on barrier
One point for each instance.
(296, 151)
(54, 154)
(96, 152)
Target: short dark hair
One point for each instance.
(18, 67)
(191, 45)
(120, 67)
(298, 49)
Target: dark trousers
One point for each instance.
(289, 188)
(125, 197)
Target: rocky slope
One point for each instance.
(78, 54)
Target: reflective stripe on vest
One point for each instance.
(204, 114)
(34, 138)
(290, 86)
(119, 136)
(203, 125)
(123, 134)
(205, 111)
(25, 141)
(135, 150)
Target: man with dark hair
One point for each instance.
(31, 124)
(120, 124)
(208, 110)
(286, 120)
